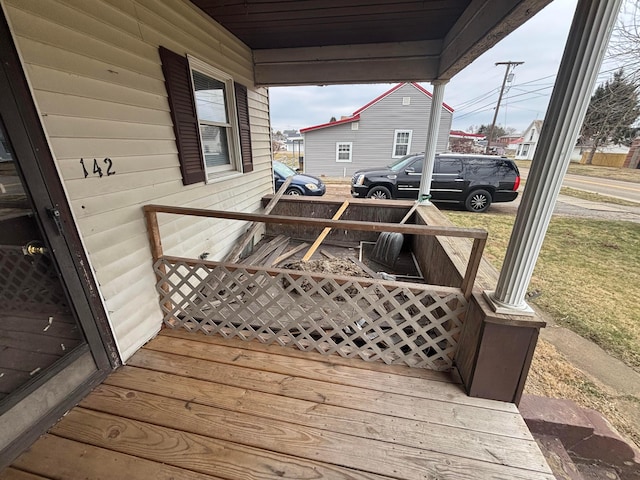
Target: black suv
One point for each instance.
(472, 180)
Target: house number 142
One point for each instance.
(97, 170)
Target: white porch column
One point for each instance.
(432, 139)
(581, 61)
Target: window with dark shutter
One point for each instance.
(177, 76)
(210, 113)
(244, 126)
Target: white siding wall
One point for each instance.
(373, 140)
(96, 76)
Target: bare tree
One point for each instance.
(612, 111)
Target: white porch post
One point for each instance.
(581, 61)
(432, 139)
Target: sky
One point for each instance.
(472, 93)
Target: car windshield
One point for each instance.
(402, 163)
(282, 170)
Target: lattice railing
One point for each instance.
(396, 322)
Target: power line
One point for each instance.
(504, 82)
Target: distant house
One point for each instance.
(384, 130)
(465, 142)
(295, 144)
(507, 140)
(527, 147)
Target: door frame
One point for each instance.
(26, 135)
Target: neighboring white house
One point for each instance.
(295, 144)
(527, 148)
(385, 129)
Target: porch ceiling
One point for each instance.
(354, 41)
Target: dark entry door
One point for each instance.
(54, 342)
(37, 323)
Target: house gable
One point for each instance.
(386, 128)
(527, 146)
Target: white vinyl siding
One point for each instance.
(344, 151)
(96, 77)
(401, 143)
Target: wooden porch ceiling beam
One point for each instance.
(483, 24)
(340, 64)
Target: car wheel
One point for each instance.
(293, 191)
(379, 193)
(478, 201)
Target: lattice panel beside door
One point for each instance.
(29, 283)
(414, 324)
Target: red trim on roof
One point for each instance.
(430, 95)
(356, 114)
(460, 133)
(393, 89)
(378, 98)
(355, 118)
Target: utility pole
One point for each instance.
(495, 115)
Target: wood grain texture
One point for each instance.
(14, 474)
(58, 457)
(313, 434)
(324, 232)
(320, 371)
(442, 412)
(224, 412)
(195, 452)
(326, 359)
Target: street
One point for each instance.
(566, 205)
(604, 186)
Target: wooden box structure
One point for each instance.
(373, 319)
(444, 324)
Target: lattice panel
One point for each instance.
(28, 282)
(374, 320)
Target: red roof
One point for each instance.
(460, 133)
(356, 115)
(354, 118)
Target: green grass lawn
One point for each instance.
(588, 276)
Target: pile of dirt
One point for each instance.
(334, 266)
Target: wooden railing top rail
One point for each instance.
(479, 236)
(475, 233)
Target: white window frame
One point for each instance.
(231, 127)
(338, 145)
(355, 125)
(395, 143)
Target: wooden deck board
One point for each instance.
(320, 371)
(57, 457)
(14, 474)
(443, 412)
(311, 355)
(192, 408)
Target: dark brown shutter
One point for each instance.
(243, 124)
(177, 78)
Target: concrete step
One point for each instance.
(557, 457)
(591, 442)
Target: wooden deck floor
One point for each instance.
(194, 407)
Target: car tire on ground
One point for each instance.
(293, 191)
(478, 201)
(380, 193)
